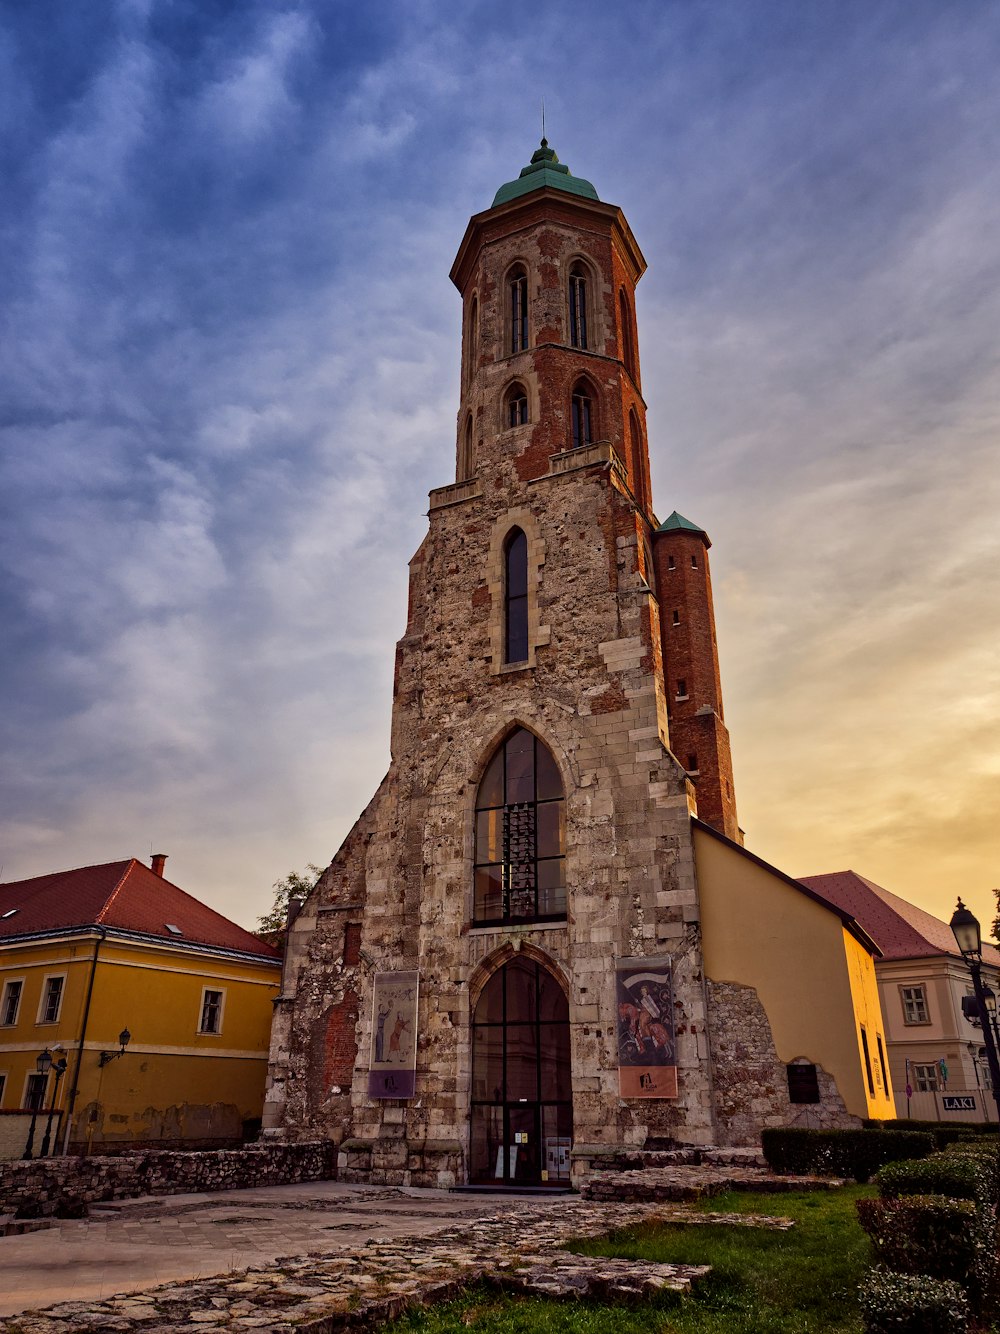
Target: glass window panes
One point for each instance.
(520, 837)
(11, 1002)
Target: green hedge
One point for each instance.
(911, 1304)
(846, 1153)
(925, 1234)
(963, 1176)
(944, 1132)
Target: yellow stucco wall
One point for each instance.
(174, 1081)
(815, 981)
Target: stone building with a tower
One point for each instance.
(543, 939)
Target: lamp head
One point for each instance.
(43, 1062)
(965, 928)
(124, 1038)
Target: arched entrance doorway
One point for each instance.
(522, 1098)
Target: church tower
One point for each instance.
(500, 974)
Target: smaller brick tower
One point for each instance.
(698, 733)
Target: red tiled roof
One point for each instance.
(900, 929)
(126, 895)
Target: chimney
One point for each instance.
(156, 862)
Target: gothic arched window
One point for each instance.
(515, 411)
(472, 353)
(583, 415)
(515, 597)
(465, 460)
(520, 835)
(638, 470)
(578, 306)
(517, 296)
(628, 346)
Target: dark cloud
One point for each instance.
(230, 371)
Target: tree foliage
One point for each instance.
(295, 885)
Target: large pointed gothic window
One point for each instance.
(515, 597)
(578, 306)
(520, 836)
(517, 298)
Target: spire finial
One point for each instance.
(545, 142)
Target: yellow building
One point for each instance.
(159, 1006)
(810, 968)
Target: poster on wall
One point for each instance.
(647, 1060)
(393, 1061)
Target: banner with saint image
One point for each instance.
(647, 1060)
(393, 1058)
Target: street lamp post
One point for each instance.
(59, 1068)
(965, 928)
(43, 1064)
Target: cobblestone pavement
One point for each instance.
(314, 1257)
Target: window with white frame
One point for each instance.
(11, 1001)
(915, 1005)
(52, 993)
(34, 1092)
(211, 1011)
(925, 1078)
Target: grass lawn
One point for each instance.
(798, 1282)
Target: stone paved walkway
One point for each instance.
(314, 1258)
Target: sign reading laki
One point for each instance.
(954, 1102)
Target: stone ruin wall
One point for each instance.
(751, 1082)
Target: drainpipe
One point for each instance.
(71, 1101)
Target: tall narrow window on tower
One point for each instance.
(466, 461)
(583, 415)
(625, 320)
(578, 306)
(515, 596)
(520, 835)
(518, 309)
(472, 341)
(638, 471)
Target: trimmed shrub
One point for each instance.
(963, 1176)
(848, 1153)
(964, 1127)
(911, 1304)
(925, 1234)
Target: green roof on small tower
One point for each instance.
(544, 169)
(678, 521)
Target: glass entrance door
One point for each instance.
(522, 1105)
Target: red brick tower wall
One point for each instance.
(698, 733)
(547, 235)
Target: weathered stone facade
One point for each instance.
(551, 444)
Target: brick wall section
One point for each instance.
(55, 1182)
(690, 655)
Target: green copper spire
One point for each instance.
(544, 169)
(678, 521)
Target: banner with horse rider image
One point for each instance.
(393, 1064)
(647, 1060)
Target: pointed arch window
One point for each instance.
(518, 301)
(520, 835)
(473, 340)
(625, 321)
(582, 415)
(515, 412)
(465, 458)
(578, 306)
(515, 597)
(638, 462)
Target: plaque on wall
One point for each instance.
(647, 1061)
(393, 1058)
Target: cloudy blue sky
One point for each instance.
(229, 375)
